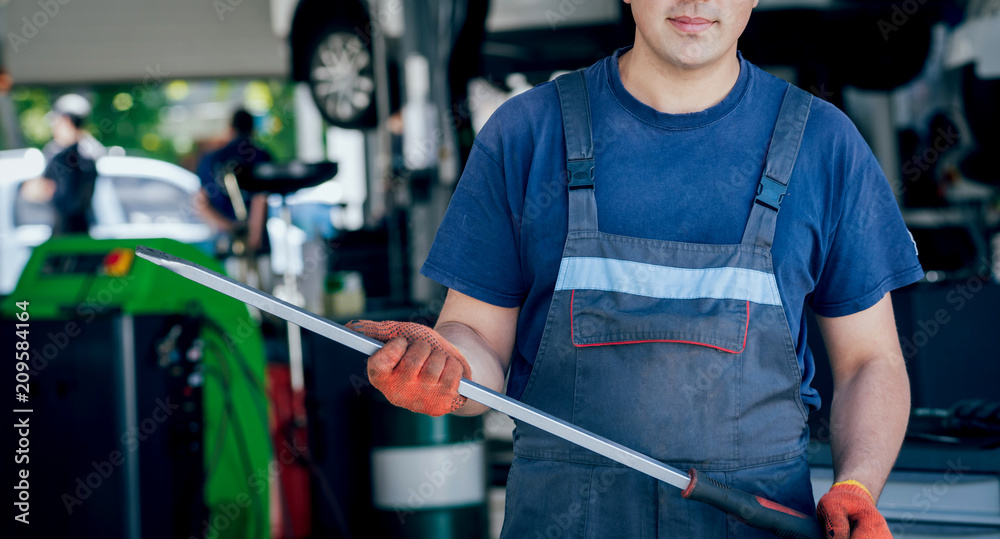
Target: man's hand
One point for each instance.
(38, 190)
(417, 369)
(848, 512)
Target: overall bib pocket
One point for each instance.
(616, 301)
(600, 318)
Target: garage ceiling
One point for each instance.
(95, 41)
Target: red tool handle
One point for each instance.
(753, 510)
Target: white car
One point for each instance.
(134, 197)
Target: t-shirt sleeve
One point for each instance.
(73, 175)
(57, 166)
(476, 250)
(871, 252)
(205, 173)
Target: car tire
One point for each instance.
(341, 76)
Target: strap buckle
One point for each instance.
(770, 193)
(581, 174)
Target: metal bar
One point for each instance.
(571, 433)
(336, 332)
(295, 366)
(130, 412)
(263, 301)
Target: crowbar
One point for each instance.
(753, 510)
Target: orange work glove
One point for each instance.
(848, 512)
(417, 369)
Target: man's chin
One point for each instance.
(692, 63)
(693, 56)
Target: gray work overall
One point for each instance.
(678, 350)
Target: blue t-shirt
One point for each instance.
(237, 157)
(840, 242)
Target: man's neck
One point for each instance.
(674, 89)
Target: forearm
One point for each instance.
(209, 214)
(256, 225)
(488, 368)
(869, 414)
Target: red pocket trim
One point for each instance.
(745, 331)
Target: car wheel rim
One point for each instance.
(341, 75)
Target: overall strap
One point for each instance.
(781, 155)
(575, 106)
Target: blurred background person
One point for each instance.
(68, 115)
(214, 200)
(71, 169)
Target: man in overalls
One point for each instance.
(615, 249)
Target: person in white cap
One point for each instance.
(66, 120)
(69, 177)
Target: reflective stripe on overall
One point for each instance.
(678, 350)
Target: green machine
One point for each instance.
(146, 397)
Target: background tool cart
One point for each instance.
(158, 390)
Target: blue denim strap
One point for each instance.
(781, 155)
(575, 106)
